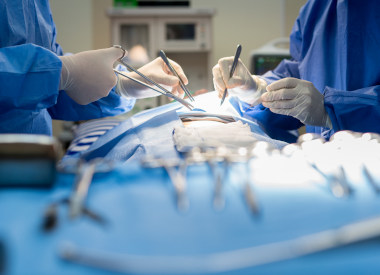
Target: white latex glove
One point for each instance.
(242, 84)
(88, 76)
(299, 99)
(158, 72)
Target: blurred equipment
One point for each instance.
(149, 3)
(51, 219)
(184, 34)
(124, 3)
(233, 260)
(28, 160)
(269, 56)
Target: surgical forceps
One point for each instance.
(218, 174)
(177, 175)
(215, 158)
(84, 172)
(176, 170)
(162, 90)
(234, 64)
(83, 182)
(50, 218)
(371, 180)
(337, 182)
(181, 83)
(243, 155)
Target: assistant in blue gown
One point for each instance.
(336, 46)
(30, 73)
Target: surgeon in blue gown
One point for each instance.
(38, 83)
(331, 83)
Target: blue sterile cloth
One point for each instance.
(150, 133)
(142, 219)
(147, 133)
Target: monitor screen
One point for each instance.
(184, 31)
(260, 64)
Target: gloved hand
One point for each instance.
(88, 76)
(158, 72)
(299, 99)
(242, 84)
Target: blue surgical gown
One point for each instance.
(335, 44)
(30, 73)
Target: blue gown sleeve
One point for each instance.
(357, 110)
(29, 77)
(68, 109)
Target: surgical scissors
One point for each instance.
(234, 64)
(215, 159)
(176, 170)
(86, 171)
(177, 175)
(171, 68)
(162, 91)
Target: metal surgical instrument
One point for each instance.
(215, 158)
(50, 218)
(234, 64)
(163, 90)
(171, 68)
(243, 155)
(83, 182)
(168, 94)
(177, 175)
(338, 183)
(176, 170)
(227, 261)
(371, 180)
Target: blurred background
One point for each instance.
(89, 24)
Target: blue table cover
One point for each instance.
(139, 206)
(142, 219)
(151, 132)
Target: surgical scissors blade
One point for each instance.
(168, 94)
(234, 64)
(171, 68)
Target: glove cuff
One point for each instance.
(253, 97)
(119, 89)
(261, 85)
(65, 82)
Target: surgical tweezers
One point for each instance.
(168, 94)
(171, 68)
(162, 90)
(234, 64)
